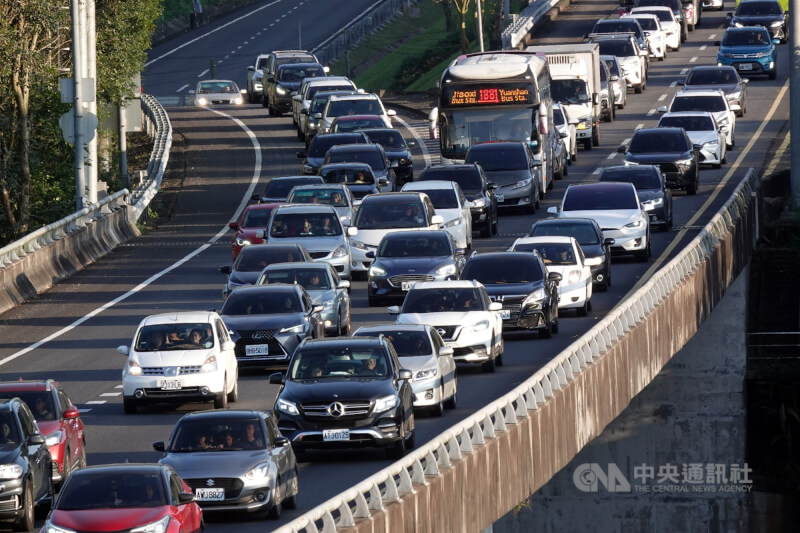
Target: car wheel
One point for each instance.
(644, 255)
(603, 285)
(494, 224)
(691, 189)
(398, 450)
(129, 406)
(596, 137)
(564, 165)
(555, 323)
(724, 157)
(547, 331)
(584, 309)
(221, 401)
(575, 151)
(489, 366)
(374, 301)
(774, 73)
(498, 361)
(82, 459)
(486, 230)
(411, 440)
(638, 89)
(451, 402)
(233, 396)
(344, 330)
(438, 409)
(25, 522)
(67, 466)
(275, 512)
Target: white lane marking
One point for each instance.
(703, 47)
(684, 72)
(108, 305)
(111, 394)
(597, 171)
(712, 36)
(182, 88)
(638, 127)
(119, 386)
(692, 60)
(626, 141)
(612, 155)
(258, 33)
(662, 97)
(673, 84)
(651, 113)
(283, 16)
(227, 56)
(271, 24)
(202, 73)
(95, 402)
(425, 154)
(220, 28)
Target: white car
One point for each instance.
(632, 59)
(616, 208)
(702, 128)
(714, 102)
(566, 130)
(422, 350)
(210, 92)
(617, 79)
(463, 314)
(656, 36)
(670, 25)
(311, 86)
(451, 204)
(563, 255)
(353, 104)
(180, 357)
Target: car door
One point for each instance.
(184, 513)
(281, 456)
(227, 355)
(466, 216)
(342, 299)
(316, 326)
(72, 428)
(445, 363)
(38, 455)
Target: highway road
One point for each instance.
(71, 332)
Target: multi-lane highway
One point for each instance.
(71, 333)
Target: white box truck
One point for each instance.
(575, 84)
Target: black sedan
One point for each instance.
(254, 258)
(596, 248)
(269, 321)
(346, 393)
(767, 13)
(724, 78)
(278, 189)
(651, 188)
(405, 257)
(313, 157)
(285, 81)
(369, 153)
(357, 176)
(233, 461)
(397, 150)
(671, 150)
(521, 283)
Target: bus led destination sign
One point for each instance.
(488, 95)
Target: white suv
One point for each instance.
(712, 101)
(462, 313)
(353, 104)
(180, 357)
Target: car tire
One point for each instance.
(691, 189)
(547, 331)
(129, 406)
(774, 73)
(221, 401)
(638, 89)
(494, 224)
(397, 450)
(438, 409)
(344, 331)
(564, 170)
(489, 366)
(67, 467)
(575, 153)
(26, 521)
(486, 230)
(643, 255)
(411, 440)
(275, 511)
(584, 309)
(374, 301)
(596, 137)
(555, 323)
(233, 396)
(82, 460)
(452, 401)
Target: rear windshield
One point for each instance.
(312, 279)
(722, 76)
(495, 158)
(468, 179)
(384, 215)
(508, 270)
(442, 300)
(558, 117)
(256, 259)
(291, 73)
(616, 47)
(241, 303)
(597, 199)
(658, 141)
(617, 26)
(435, 245)
(712, 104)
(389, 139)
(583, 232)
(613, 67)
(442, 198)
(552, 253)
(640, 179)
(674, 5)
(312, 91)
(647, 23)
(350, 176)
(352, 125)
(406, 343)
(663, 16)
(333, 197)
(322, 143)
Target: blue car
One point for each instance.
(750, 50)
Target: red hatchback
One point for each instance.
(253, 219)
(125, 497)
(58, 420)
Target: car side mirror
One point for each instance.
(36, 439)
(71, 414)
(735, 107)
(564, 134)
(729, 15)
(393, 310)
(681, 83)
(251, 69)
(391, 113)
(159, 446)
(608, 241)
(225, 269)
(697, 147)
(370, 255)
(280, 442)
(662, 109)
(123, 350)
(261, 234)
(552, 210)
(343, 284)
(745, 80)
(304, 112)
(776, 41)
(573, 121)
(352, 231)
(554, 276)
(185, 498)
(614, 77)
(297, 98)
(491, 185)
(444, 351)
(276, 378)
(317, 116)
(405, 374)
(271, 79)
(495, 306)
(437, 219)
(302, 154)
(621, 149)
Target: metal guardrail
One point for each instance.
(159, 129)
(357, 502)
(515, 32)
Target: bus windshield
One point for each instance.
(463, 129)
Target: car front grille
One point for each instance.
(668, 167)
(233, 486)
(258, 336)
(745, 56)
(318, 255)
(162, 370)
(398, 280)
(9, 503)
(349, 408)
(447, 332)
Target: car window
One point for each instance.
(221, 434)
(339, 362)
(356, 175)
(689, 123)
(343, 124)
(256, 259)
(322, 143)
(552, 253)
(334, 197)
(175, 488)
(281, 188)
(361, 106)
(41, 403)
(647, 23)
(393, 246)
(405, 343)
(497, 159)
(256, 218)
(294, 225)
(105, 490)
(261, 303)
(63, 400)
(616, 47)
(371, 157)
(756, 9)
(310, 279)
(600, 199)
(222, 332)
(509, 269)
(468, 179)
(9, 432)
(398, 214)
(180, 336)
(442, 300)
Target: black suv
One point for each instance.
(369, 153)
(312, 158)
(277, 58)
(671, 150)
(346, 393)
(279, 86)
(26, 465)
(478, 190)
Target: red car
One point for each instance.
(254, 218)
(58, 420)
(350, 123)
(125, 497)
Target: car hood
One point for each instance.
(174, 357)
(745, 49)
(315, 162)
(464, 318)
(291, 85)
(9, 453)
(592, 250)
(412, 265)
(48, 427)
(508, 177)
(251, 322)
(448, 214)
(657, 157)
(578, 111)
(756, 20)
(320, 296)
(398, 154)
(727, 88)
(418, 362)
(326, 243)
(244, 278)
(215, 463)
(508, 289)
(338, 388)
(605, 218)
(373, 237)
(112, 519)
(700, 137)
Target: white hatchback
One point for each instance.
(712, 101)
(180, 357)
(452, 205)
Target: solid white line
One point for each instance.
(612, 155)
(712, 36)
(692, 60)
(182, 88)
(95, 402)
(425, 154)
(597, 171)
(119, 386)
(638, 127)
(245, 200)
(188, 43)
(703, 47)
(202, 73)
(684, 72)
(651, 113)
(673, 84)
(626, 141)
(662, 97)
(111, 394)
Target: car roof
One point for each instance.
(448, 284)
(650, 8)
(283, 178)
(502, 145)
(153, 468)
(565, 220)
(407, 234)
(496, 256)
(32, 385)
(339, 135)
(459, 166)
(306, 208)
(712, 67)
(357, 96)
(178, 317)
(298, 65)
(392, 196)
(307, 265)
(734, 29)
(271, 287)
(268, 205)
(688, 114)
(668, 129)
(341, 341)
(346, 164)
(545, 239)
(216, 414)
(326, 80)
(360, 147)
(321, 186)
(703, 92)
(392, 326)
(632, 169)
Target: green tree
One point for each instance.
(462, 6)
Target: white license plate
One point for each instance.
(256, 349)
(505, 314)
(330, 435)
(206, 495)
(745, 66)
(406, 285)
(499, 197)
(170, 384)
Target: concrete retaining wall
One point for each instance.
(40, 270)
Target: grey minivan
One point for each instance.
(512, 166)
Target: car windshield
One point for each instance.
(641, 179)
(689, 123)
(293, 225)
(468, 179)
(218, 434)
(256, 218)
(334, 197)
(648, 23)
(216, 87)
(756, 9)
(583, 232)
(360, 106)
(600, 198)
(416, 246)
(262, 62)
(552, 253)
(165, 337)
(746, 38)
(406, 343)
(663, 16)
(288, 60)
(343, 125)
(722, 76)
(508, 269)
(256, 259)
(648, 142)
(616, 47)
(673, 4)
(498, 158)
(339, 362)
(351, 176)
(442, 198)
(391, 140)
(617, 26)
(386, 215)
(322, 143)
(443, 300)
(371, 157)
(318, 104)
(40, 403)
(265, 302)
(569, 91)
(125, 488)
(8, 428)
(292, 73)
(311, 279)
(280, 188)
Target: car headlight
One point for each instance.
(711, 143)
(376, 272)
(763, 54)
(593, 261)
(293, 329)
(574, 276)
(726, 55)
(159, 526)
(452, 223)
(738, 24)
(210, 364)
(649, 205)
(10, 471)
(480, 326)
(134, 369)
(242, 242)
(281, 91)
(340, 251)
(425, 374)
(287, 407)
(522, 184)
(258, 87)
(257, 475)
(312, 125)
(479, 202)
(50, 527)
(202, 101)
(584, 125)
(385, 403)
(327, 306)
(628, 163)
(733, 96)
(307, 168)
(238, 100)
(358, 244)
(534, 298)
(446, 270)
(776, 24)
(55, 438)
(638, 223)
(684, 162)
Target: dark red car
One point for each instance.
(254, 218)
(125, 497)
(58, 420)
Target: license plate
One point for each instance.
(500, 197)
(330, 435)
(170, 384)
(205, 495)
(745, 66)
(257, 349)
(406, 285)
(505, 314)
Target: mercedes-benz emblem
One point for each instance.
(171, 371)
(209, 482)
(336, 409)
